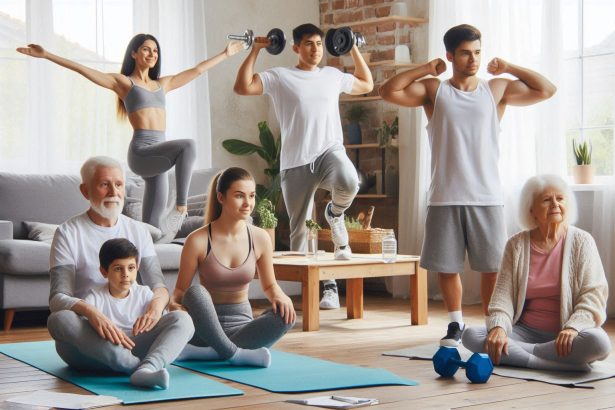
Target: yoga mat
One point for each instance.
(293, 373)
(600, 370)
(184, 384)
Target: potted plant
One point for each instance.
(387, 133)
(312, 238)
(266, 218)
(583, 172)
(355, 114)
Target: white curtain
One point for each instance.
(52, 118)
(523, 32)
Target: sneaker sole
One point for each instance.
(329, 307)
(450, 342)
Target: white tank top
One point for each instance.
(463, 136)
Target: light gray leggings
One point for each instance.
(150, 156)
(590, 345)
(82, 348)
(229, 326)
(332, 171)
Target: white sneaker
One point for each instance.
(339, 234)
(171, 225)
(344, 254)
(330, 298)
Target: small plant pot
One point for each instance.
(354, 133)
(583, 174)
(271, 232)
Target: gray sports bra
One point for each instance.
(139, 98)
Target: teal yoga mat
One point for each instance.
(293, 373)
(184, 384)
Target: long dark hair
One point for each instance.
(221, 183)
(128, 65)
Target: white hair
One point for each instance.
(536, 186)
(89, 167)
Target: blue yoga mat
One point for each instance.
(184, 384)
(293, 373)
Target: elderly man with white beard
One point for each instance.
(86, 338)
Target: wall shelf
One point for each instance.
(359, 99)
(372, 196)
(413, 21)
(359, 146)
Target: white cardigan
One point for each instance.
(584, 287)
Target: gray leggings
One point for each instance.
(332, 171)
(150, 156)
(82, 348)
(590, 345)
(229, 326)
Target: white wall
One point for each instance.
(234, 116)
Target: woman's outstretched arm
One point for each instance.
(172, 82)
(112, 81)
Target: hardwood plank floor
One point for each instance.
(385, 326)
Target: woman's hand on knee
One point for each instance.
(283, 306)
(563, 342)
(496, 343)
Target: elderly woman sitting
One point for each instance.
(550, 296)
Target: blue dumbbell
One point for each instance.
(447, 361)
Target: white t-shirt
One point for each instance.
(122, 312)
(73, 261)
(463, 135)
(306, 104)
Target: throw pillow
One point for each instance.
(39, 231)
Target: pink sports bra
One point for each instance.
(218, 278)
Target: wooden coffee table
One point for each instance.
(310, 272)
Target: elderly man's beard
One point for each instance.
(112, 212)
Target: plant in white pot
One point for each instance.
(583, 172)
(266, 218)
(355, 114)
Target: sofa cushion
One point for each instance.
(44, 198)
(39, 231)
(168, 255)
(24, 257)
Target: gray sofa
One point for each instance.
(51, 199)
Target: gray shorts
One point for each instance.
(450, 231)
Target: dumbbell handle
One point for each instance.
(237, 37)
(459, 363)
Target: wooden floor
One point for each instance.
(358, 342)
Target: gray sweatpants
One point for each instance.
(332, 171)
(82, 348)
(590, 345)
(226, 327)
(150, 156)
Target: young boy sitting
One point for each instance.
(123, 302)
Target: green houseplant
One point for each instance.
(266, 218)
(583, 171)
(355, 114)
(268, 150)
(386, 133)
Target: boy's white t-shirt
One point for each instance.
(122, 312)
(306, 104)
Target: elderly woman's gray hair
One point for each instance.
(536, 186)
(88, 169)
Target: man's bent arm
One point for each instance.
(248, 83)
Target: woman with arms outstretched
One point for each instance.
(141, 98)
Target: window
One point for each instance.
(589, 47)
(52, 118)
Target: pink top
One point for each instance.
(542, 300)
(219, 278)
